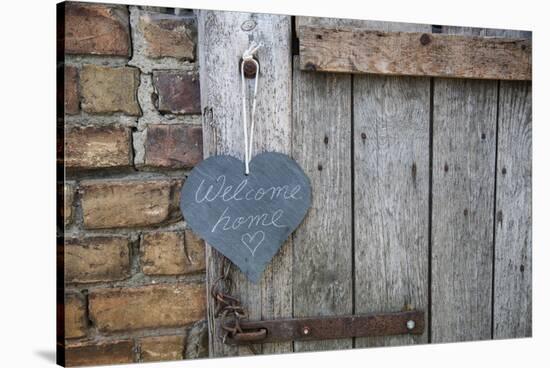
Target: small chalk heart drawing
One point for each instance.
(249, 240)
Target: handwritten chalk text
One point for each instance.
(226, 193)
(226, 222)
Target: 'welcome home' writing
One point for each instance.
(220, 191)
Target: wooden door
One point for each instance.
(421, 186)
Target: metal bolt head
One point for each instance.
(250, 69)
(410, 324)
(306, 330)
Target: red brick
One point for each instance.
(96, 259)
(71, 90)
(75, 316)
(97, 29)
(178, 92)
(107, 90)
(119, 203)
(161, 348)
(173, 146)
(172, 253)
(98, 147)
(102, 353)
(168, 35)
(152, 306)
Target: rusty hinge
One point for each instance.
(320, 328)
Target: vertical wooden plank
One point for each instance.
(223, 37)
(464, 144)
(391, 165)
(391, 162)
(323, 243)
(513, 275)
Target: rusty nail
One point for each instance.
(249, 69)
(306, 330)
(425, 39)
(363, 136)
(410, 324)
(319, 167)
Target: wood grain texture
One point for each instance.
(486, 32)
(391, 145)
(322, 270)
(303, 22)
(391, 165)
(513, 266)
(221, 44)
(464, 144)
(358, 50)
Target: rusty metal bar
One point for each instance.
(321, 328)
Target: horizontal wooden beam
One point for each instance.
(354, 50)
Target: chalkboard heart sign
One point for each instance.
(246, 217)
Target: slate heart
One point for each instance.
(246, 217)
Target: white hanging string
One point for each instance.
(248, 55)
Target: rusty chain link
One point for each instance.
(230, 311)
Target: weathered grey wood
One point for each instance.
(357, 50)
(464, 143)
(302, 22)
(322, 270)
(486, 32)
(391, 146)
(513, 271)
(391, 166)
(222, 40)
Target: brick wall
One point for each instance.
(133, 272)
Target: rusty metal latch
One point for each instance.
(234, 328)
(321, 328)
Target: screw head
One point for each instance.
(410, 324)
(306, 330)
